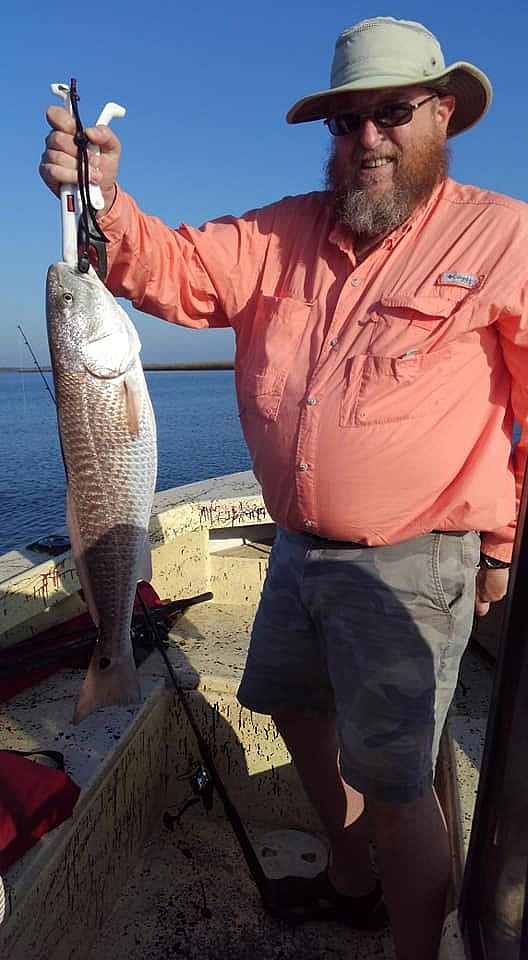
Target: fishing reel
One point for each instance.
(202, 789)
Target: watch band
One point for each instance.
(492, 563)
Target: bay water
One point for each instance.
(199, 436)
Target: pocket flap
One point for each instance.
(427, 310)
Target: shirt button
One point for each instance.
(311, 401)
(362, 414)
(334, 342)
(308, 523)
(303, 466)
(355, 282)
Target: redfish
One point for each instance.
(108, 438)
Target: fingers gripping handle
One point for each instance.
(69, 195)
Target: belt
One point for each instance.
(324, 542)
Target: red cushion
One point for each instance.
(33, 799)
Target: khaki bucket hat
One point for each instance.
(384, 52)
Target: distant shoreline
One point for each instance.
(205, 365)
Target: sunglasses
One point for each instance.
(389, 115)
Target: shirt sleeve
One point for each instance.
(513, 334)
(195, 277)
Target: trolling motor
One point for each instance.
(83, 241)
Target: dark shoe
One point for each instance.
(302, 899)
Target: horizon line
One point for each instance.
(191, 365)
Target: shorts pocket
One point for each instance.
(454, 570)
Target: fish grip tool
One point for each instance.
(83, 241)
(265, 886)
(91, 241)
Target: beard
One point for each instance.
(414, 180)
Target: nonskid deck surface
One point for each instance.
(191, 896)
(40, 717)
(209, 640)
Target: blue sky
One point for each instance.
(206, 87)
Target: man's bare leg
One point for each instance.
(411, 840)
(413, 856)
(313, 745)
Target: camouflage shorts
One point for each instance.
(373, 635)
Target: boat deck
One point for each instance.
(121, 883)
(191, 896)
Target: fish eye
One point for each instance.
(67, 297)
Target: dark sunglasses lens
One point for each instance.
(341, 126)
(393, 115)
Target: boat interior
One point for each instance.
(148, 865)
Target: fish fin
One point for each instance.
(78, 556)
(134, 401)
(145, 561)
(108, 681)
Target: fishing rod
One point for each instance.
(37, 364)
(209, 776)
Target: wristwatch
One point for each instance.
(492, 563)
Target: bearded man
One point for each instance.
(381, 354)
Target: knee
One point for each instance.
(389, 818)
(315, 725)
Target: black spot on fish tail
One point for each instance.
(108, 681)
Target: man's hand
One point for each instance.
(491, 586)
(58, 164)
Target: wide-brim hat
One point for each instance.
(384, 52)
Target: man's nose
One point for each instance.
(369, 134)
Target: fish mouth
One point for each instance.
(54, 283)
(54, 273)
(57, 274)
(63, 278)
(60, 271)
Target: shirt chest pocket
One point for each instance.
(381, 390)
(266, 352)
(413, 382)
(421, 322)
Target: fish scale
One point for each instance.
(108, 439)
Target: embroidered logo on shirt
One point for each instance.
(451, 277)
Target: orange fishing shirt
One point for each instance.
(376, 398)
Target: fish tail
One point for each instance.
(108, 680)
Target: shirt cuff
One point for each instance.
(112, 220)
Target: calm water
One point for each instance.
(198, 437)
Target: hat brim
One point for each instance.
(469, 85)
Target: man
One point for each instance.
(381, 330)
